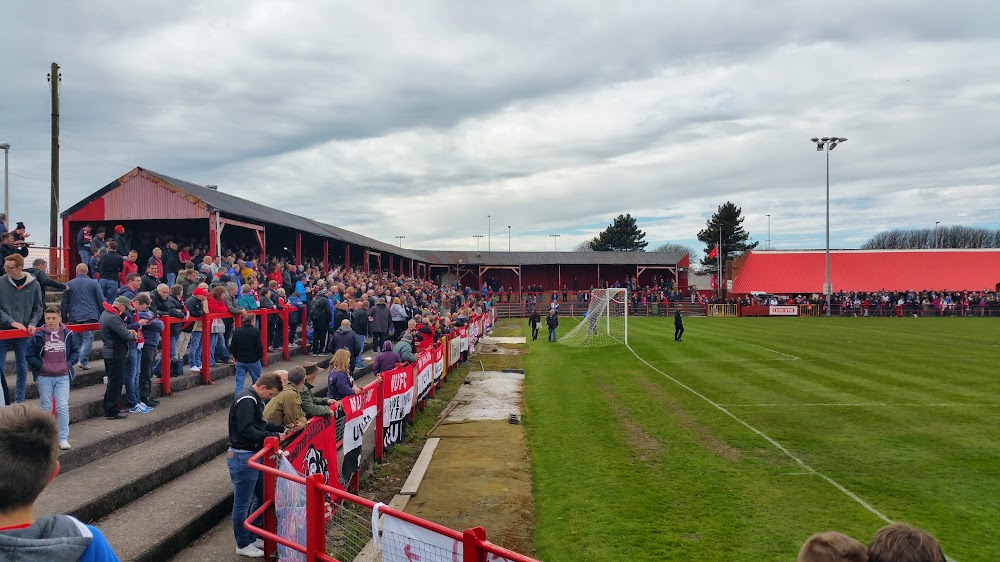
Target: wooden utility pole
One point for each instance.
(54, 78)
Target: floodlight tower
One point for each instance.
(826, 144)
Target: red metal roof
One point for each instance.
(787, 272)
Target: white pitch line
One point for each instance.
(740, 360)
(777, 445)
(759, 347)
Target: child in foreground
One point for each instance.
(28, 462)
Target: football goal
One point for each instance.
(606, 321)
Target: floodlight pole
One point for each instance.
(6, 189)
(768, 232)
(936, 223)
(827, 144)
(489, 233)
(478, 237)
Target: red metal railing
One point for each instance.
(475, 547)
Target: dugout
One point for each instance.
(153, 206)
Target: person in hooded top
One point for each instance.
(51, 354)
(386, 359)
(29, 461)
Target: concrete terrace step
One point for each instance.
(217, 545)
(162, 523)
(112, 481)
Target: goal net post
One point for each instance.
(604, 324)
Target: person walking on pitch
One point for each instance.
(678, 325)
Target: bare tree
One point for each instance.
(585, 246)
(674, 247)
(929, 238)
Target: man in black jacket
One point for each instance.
(39, 269)
(247, 431)
(321, 315)
(248, 350)
(116, 337)
(151, 280)
(359, 323)
(171, 263)
(7, 246)
(111, 265)
(344, 338)
(533, 320)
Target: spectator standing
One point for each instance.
(344, 338)
(171, 263)
(131, 287)
(111, 265)
(51, 354)
(123, 242)
(21, 309)
(248, 351)
(180, 335)
(321, 316)
(82, 303)
(29, 461)
(98, 243)
(552, 322)
(247, 431)
(39, 269)
(116, 337)
(83, 239)
(286, 408)
(399, 318)
(150, 280)
(189, 281)
(157, 260)
(340, 383)
(216, 305)
(197, 308)
(129, 266)
(359, 323)
(152, 328)
(7, 247)
(379, 318)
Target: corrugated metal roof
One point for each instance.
(552, 258)
(789, 272)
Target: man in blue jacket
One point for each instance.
(82, 304)
(29, 461)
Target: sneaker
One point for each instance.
(64, 445)
(259, 543)
(139, 408)
(84, 367)
(151, 403)
(195, 369)
(250, 551)
(116, 416)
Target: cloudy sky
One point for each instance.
(422, 118)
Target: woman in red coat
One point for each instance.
(217, 305)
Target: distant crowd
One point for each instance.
(860, 302)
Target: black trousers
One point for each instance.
(319, 337)
(378, 338)
(534, 332)
(146, 357)
(678, 332)
(116, 378)
(399, 326)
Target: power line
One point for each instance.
(28, 177)
(64, 143)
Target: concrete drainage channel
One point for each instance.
(474, 468)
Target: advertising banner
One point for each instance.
(359, 413)
(454, 349)
(437, 352)
(397, 390)
(783, 310)
(314, 449)
(424, 374)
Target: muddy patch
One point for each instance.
(645, 445)
(705, 436)
(501, 349)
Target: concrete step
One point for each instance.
(113, 481)
(161, 523)
(217, 545)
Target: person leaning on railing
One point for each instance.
(21, 309)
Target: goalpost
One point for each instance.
(606, 321)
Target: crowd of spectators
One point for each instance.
(882, 303)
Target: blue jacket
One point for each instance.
(57, 537)
(37, 343)
(82, 300)
(150, 332)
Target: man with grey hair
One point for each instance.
(82, 303)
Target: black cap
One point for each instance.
(20, 225)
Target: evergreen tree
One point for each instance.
(622, 235)
(728, 218)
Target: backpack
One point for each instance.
(319, 310)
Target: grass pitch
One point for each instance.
(889, 417)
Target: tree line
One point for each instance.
(928, 238)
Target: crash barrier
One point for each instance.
(304, 488)
(573, 308)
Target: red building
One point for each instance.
(804, 271)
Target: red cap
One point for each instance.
(119, 229)
(200, 292)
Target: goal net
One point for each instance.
(606, 321)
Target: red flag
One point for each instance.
(714, 252)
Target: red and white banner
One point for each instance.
(397, 390)
(437, 352)
(424, 374)
(359, 412)
(403, 541)
(463, 336)
(783, 310)
(314, 449)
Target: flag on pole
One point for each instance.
(714, 252)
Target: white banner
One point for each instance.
(783, 310)
(454, 349)
(424, 374)
(398, 391)
(360, 411)
(438, 353)
(406, 542)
